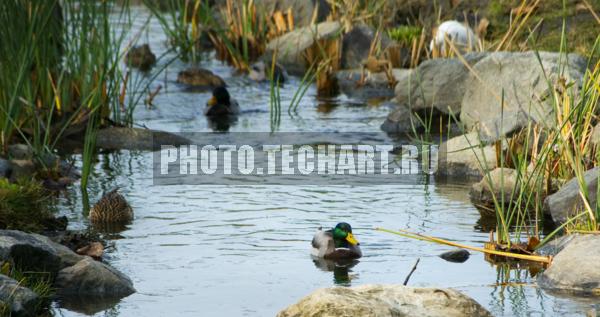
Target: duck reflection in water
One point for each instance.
(341, 269)
(221, 124)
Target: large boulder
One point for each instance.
(437, 83)
(498, 128)
(384, 300)
(521, 81)
(90, 277)
(465, 156)
(75, 274)
(576, 268)
(290, 47)
(18, 300)
(116, 138)
(35, 252)
(567, 202)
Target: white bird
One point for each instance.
(458, 33)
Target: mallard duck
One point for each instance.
(336, 244)
(221, 104)
(111, 208)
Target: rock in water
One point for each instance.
(111, 208)
(89, 277)
(200, 77)
(576, 268)
(74, 273)
(19, 300)
(116, 138)
(374, 85)
(141, 57)
(383, 301)
(438, 83)
(456, 256)
(290, 48)
(35, 252)
(567, 202)
(500, 182)
(463, 157)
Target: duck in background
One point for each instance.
(221, 104)
(459, 34)
(261, 73)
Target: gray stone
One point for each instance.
(136, 139)
(357, 43)
(200, 78)
(437, 83)
(553, 247)
(22, 169)
(290, 47)
(89, 277)
(375, 86)
(465, 156)
(401, 120)
(501, 184)
(505, 126)
(456, 256)
(520, 76)
(20, 152)
(567, 202)
(5, 168)
(576, 268)
(35, 252)
(384, 300)
(20, 300)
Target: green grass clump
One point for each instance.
(39, 282)
(405, 34)
(24, 205)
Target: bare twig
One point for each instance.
(411, 272)
(152, 95)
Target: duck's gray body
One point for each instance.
(323, 246)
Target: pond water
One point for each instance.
(244, 250)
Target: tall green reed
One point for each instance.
(61, 72)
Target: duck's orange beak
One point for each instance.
(350, 238)
(212, 101)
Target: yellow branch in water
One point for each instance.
(410, 235)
